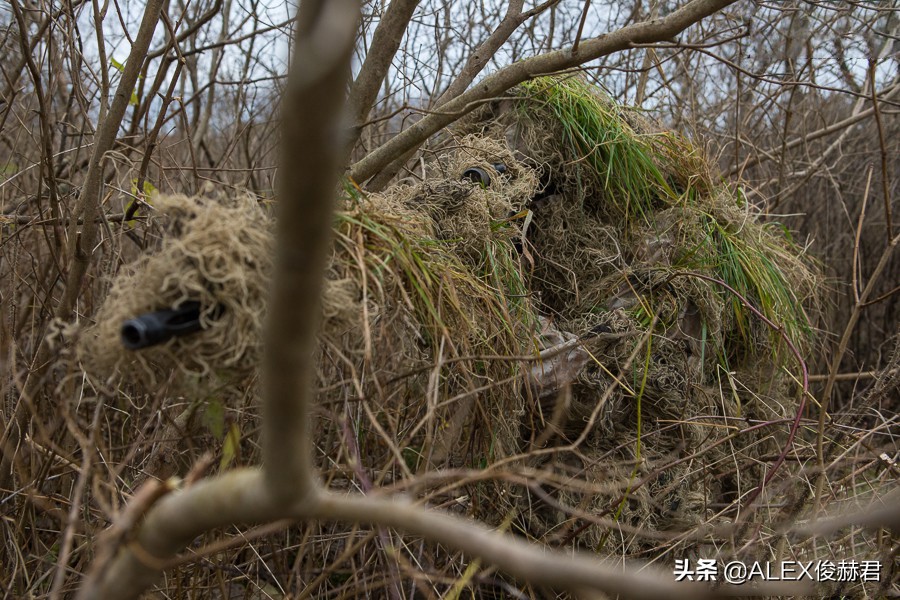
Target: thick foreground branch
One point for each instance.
(309, 170)
(241, 497)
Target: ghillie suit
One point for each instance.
(632, 233)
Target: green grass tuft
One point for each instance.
(607, 153)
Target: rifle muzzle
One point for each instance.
(150, 329)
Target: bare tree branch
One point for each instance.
(241, 497)
(474, 65)
(480, 57)
(495, 84)
(881, 513)
(857, 116)
(81, 243)
(385, 42)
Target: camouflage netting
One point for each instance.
(554, 321)
(422, 278)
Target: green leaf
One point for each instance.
(134, 100)
(214, 418)
(149, 189)
(230, 446)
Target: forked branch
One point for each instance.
(242, 497)
(309, 167)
